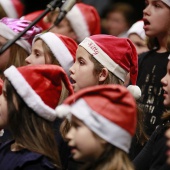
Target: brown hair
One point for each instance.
(29, 130)
(17, 57)
(111, 79)
(112, 159)
(2, 12)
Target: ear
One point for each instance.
(103, 74)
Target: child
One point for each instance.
(104, 59)
(50, 48)
(28, 109)
(137, 35)
(80, 22)
(119, 17)
(16, 54)
(103, 122)
(152, 65)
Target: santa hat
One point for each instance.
(167, 2)
(108, 110)
(13, 8)
(39, 86)
(33, 15)
(117, 54)
(62, 47)
(137, 28)
(10, 28)
(84, 20)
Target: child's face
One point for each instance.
(85, 145)
(166, 86)
(4, 56)
(37, 55)
(139, 43)
(116, 23)
(156, 19)
(82, 71)
(3, 108)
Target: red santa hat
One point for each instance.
(108, 110)
(10, 28)
(13, 8)
(167, 2)
(39, 86)
(117, 54)
(33, 15)
(137, 28)
(84, 20)
(62, 47)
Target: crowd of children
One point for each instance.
(74, 98)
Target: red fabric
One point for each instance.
(19, 7)
(32, 16)
(45, 80)
(70, 44)
(121, 50)
(113, 102)
(91, 17)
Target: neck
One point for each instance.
(163, 44)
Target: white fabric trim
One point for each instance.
(169, 57)
(30, 97)
(78, 23)
(103, 127)
(58, 48)
(9, 8)
(103, 58)
(7, 33)
(166, 2)
(137, 28)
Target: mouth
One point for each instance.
(72, 80)
(146, 22)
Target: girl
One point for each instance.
(98, 137)
(50, 48)
(105, 59)
(16, 54)
(152, 65)
(28, 111)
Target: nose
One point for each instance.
(146, 10)
(72, 69)
(163, 81)
(27, 60)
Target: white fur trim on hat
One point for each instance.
(9, 8)
(58, 48)
(31, 98)
(63, 111)
(78, 23)
(103, 58)
(166, 2)
(137, 28)
(135, 91)
(9, 34)
(106, 129)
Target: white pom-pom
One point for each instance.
(135, 91)
(63, 111)
(1, 132)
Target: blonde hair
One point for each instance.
(111, 79)
(32, 132)
(113, 158)
(17, 57)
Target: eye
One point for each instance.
(81, 61)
